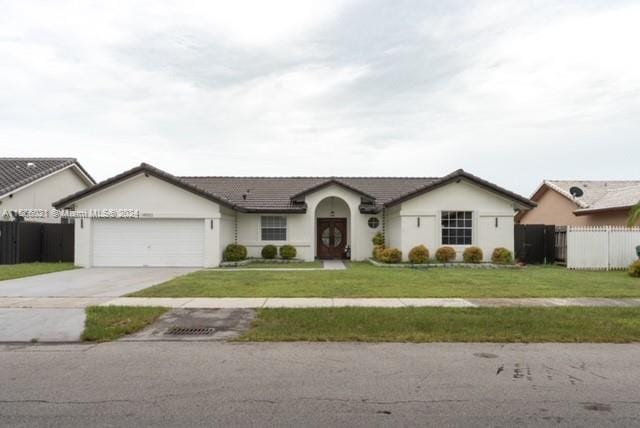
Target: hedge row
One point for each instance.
(237, 252)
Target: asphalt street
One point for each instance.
(319, 384)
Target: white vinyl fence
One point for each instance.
(601, 247)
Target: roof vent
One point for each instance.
(31, 165)
(576, 192)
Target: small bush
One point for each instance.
(501, 256)
(419, 254)
(445, 254)
(234, 253)
(377, 251)
(472, 255)
(391, 255)
(634, 269)
(378, 239)
(288, 252)
(269, 252)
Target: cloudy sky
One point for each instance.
(512, 91)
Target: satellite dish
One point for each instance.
(576, 192)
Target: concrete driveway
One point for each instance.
(55, 325)
(90, 282)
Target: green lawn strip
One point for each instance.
(614, 325)
(22, 270)
(365, 280)
(105, 323)
(298, 265)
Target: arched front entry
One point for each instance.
(333, 219)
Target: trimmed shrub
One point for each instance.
(472, 255)
(391, 255)
(501, 256)
(634, 269)
(378, 239)
(377, 251)
(419, 254)
(445, 254)
(288, 252)
(269, 252)
(234, 253)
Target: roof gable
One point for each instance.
(329, 182)
(146, 169)
(457, 175)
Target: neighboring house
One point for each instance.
(188, 221)
(35, 183)
(582, 203)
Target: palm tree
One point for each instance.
(634, 215)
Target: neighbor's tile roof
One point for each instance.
(276, 192)
(17, 172)
(599, 194)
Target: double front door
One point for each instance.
(331, 238)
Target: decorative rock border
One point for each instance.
(483, 265)
(258, 261)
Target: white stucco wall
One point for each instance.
(42, 193)
(154, 198)
(301, 228)
(463, 196)
(250, 234)
(393, 231)
(227, 228)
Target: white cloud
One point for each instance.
(512, 91)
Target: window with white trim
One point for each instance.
(274, 228)
(457, 227)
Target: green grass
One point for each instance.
(265, 265)
(22, 270)
(615, 325)
(105, 323)
(365, 280)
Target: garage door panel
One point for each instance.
(148, 242)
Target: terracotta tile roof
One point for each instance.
(599, 195)
(17, 172)
(256, 193)
(282, 194)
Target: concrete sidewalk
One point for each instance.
(279, 302)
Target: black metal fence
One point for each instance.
(26, 242)
(535, 243)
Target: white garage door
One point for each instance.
(148, 242)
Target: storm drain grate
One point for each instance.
(190, 331)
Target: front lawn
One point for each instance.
(615, 325)
(21, 270)
(105, 323)
(365, 280)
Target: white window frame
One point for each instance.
(263, 227)
(468, 215)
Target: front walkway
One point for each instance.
(280, 302)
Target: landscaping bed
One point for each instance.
(364, 280)
(261, 263)
(607, 325)
(435, 264)
(22, 270)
